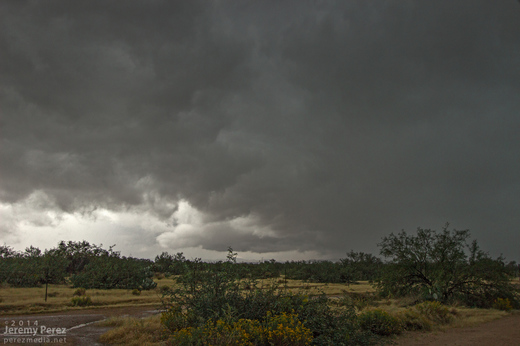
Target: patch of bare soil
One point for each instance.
(70, 327)
(501, 332)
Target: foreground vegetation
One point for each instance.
(260, 317)
(213, 305)
(429, 280)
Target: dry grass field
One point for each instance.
(32, 300)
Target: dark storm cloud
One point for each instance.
(329, 123)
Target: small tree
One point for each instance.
(79, 254)
(362, 266)
(443, 266)
(108, 272)
(32, 267)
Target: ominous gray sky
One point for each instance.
(285, 129)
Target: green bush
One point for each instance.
(286, 329)
(213, 293)
(136, 292)
(380, 322)
(424, 315)
(345, 300)
(411, 319)
(164, 289)
(502, 304)
(174, 319)
(80, 291)
(435, 311)
(283, 329)
(81, 301)
(363, 300)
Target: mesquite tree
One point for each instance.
(444, 266)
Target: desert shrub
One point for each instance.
(81, 301)
(164, 289)
(333, 327)
(435, 311)
(219, 333)
(502, 304)
(136, 292)
(213, 293)
(283, 329)
(486, 299)
(345, 300)
(286, 329)
(424, 315)
(363, 300)
(329, 326)
(174, 319)
(80, 291)
(411, 319)
(380, 322)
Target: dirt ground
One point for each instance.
(80, 329)
(501, 332)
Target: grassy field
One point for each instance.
(32, 300)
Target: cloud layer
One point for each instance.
(315, 127)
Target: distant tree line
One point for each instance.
(85, 265)
(442, 266)
(355, 267)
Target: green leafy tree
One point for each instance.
(79, 254)
(362, 266)
(443, 266)
(170, 264)
(54, 267)
(6, 252)
(107, 272)
(31, 268)
(24, 269)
